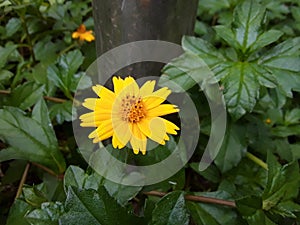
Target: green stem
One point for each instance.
(67, 49)
(29, 41)
(257, 160)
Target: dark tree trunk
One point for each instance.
(121, 21)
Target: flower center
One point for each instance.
(132, 109)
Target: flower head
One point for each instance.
(83, 34)
(268, 121)
(129, 114)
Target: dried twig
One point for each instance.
(196, 198)
(22, 181)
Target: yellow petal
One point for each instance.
(104, 127)
(104, 93)
(138, 140)
(171, 127)
(75, 35)
(88, 36)
(154, 128)
(156, 98)
(118, 84)
(94, 117)
(162, 110)
(122, 133)
(147, 88)
(130, 87)
(103, 136)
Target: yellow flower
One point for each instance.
(268, 121)
(83, 34)
(129, 114)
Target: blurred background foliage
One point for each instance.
(253, 49)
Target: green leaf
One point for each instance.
(95, 207)
(48, 214)
(233, 148)
(283, 61)
(76, 177)
(292, 117)
(211, 173)
(4, 53)
(63, 74)
(241, 89)
(171, 210)
(184, 72)
(12, 26)
(227, 35)
(5, 75)
(26, 95)
(248, 206)
(62, 112)
(265, 39)
(45, 50)
(200, 216)
(29, 139)
(203, 49)
(285, 131)
(34, 195)
(17, 213)
(282, 184)
(212, 213)
(248, 17)
(121, 192)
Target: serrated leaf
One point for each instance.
(171, 210)
(241, 89)
(76, 177)
(203, 49)
(227, 35)
(17, 213)
(48, 214)
(62, 112)
(184, 72)
(283, 61)
(265, 39)
(282, 184)
(33, 195)
(248, 17)
(95, 207)
(28, 140)
(26, 95)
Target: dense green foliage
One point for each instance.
(252, 47)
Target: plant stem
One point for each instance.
(23, 179)
(196, 198)
(67, 49)
(257, 160)
(5, 92)
(49, 98)
(54, 99)
(29, 42)
(47, 170)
